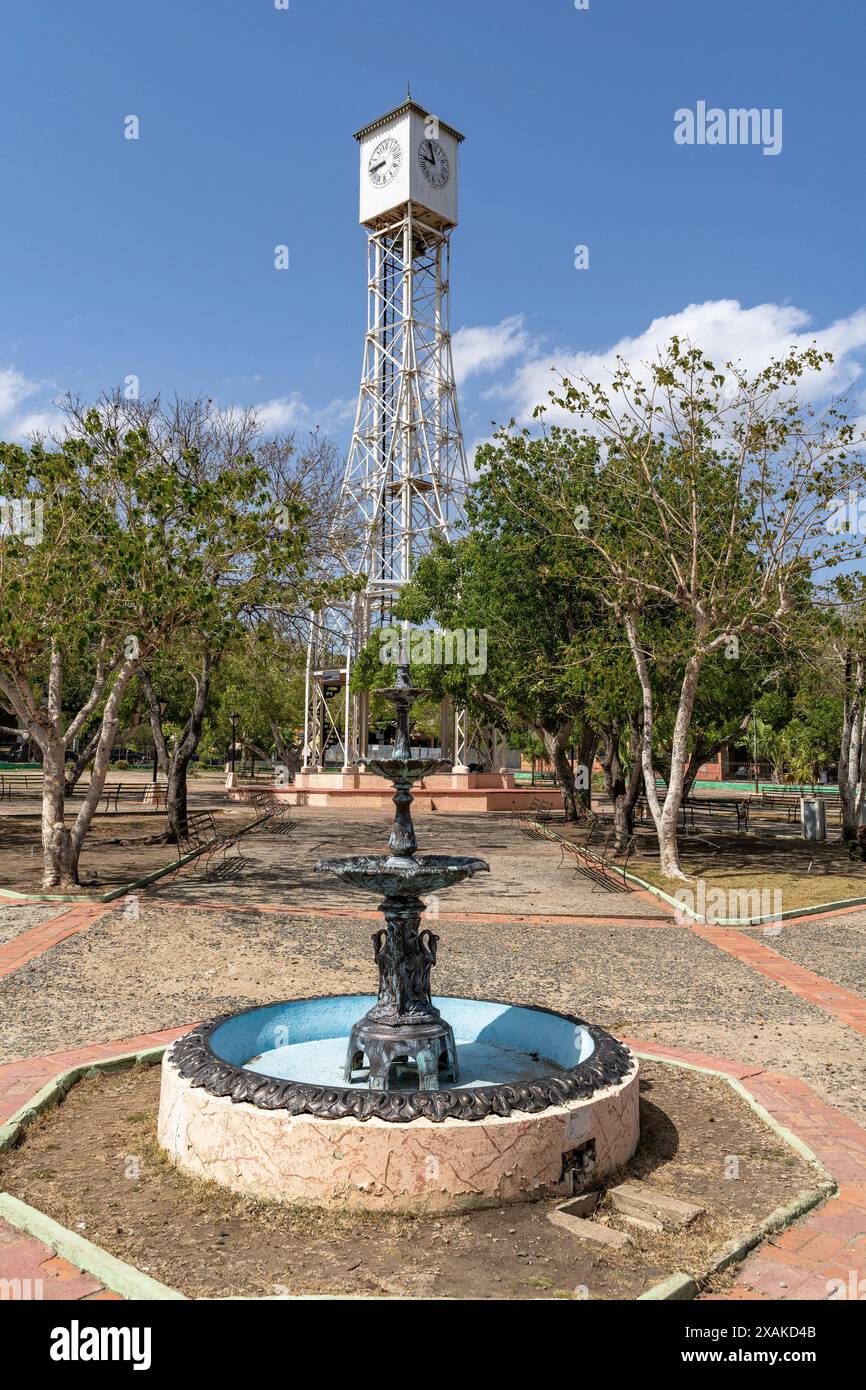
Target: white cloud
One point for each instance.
(723, 328)
(282, 413)
(45, 424)
(42, 419)
(293, 412)
(14, 388)
(480, 349)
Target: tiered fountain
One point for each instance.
(402, 1107)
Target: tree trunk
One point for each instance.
(556, 744)
(155, 714)
(61, 847)
(852, 754)
(72, 771)
(107, 738)
(59, 866)
(586, 747)
(176, 797)
(665, 815)
(622, 789)
(286, 755)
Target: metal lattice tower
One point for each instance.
(406, 471)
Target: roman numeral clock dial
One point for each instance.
(434, 163)
(384, 162)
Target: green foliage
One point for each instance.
(134, 547)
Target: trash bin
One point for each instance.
(813, 818)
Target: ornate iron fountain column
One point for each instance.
(403, 1026)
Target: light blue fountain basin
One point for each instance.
(305, 1040)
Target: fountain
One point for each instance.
(490, 1103)
(403, 1025)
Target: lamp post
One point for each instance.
(161, 705)
(234, 718)
(153, 794)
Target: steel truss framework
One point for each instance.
(404, 482)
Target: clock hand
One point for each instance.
(374, 167)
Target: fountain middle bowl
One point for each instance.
(403, 876)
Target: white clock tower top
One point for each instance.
(409, 156)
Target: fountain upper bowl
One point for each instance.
(402, 876)
(404, 770)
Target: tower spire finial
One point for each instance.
(408, 91)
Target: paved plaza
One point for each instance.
(781, 1008)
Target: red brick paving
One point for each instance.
(29, 944)
(32, 1271)
(828, 1244)
(21, 1080)
(22, 1257)
(830, 1241)
(843, 1004)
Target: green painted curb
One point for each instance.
(113, 1273)
(54, 1091)
(677, 1286)
(792, 1140)
(738, 1247)
(132, 1283)
(812, 911)
(734, 1251)
(124, 888)
(721, 921)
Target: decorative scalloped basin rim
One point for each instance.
(448, 1150)
(306, 1040)
(577, 1060)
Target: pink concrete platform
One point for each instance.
(453, 1165)
(448, 791)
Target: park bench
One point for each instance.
(605, 868)
(789, 802)
(21, 782)
(692, 806)
(272, 811)
(715, 806)
(641, 807)
(203, 835)
(116, 794)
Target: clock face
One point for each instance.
(384, 162)
(434, 163)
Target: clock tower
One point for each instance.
(409, 156)
(405, 475)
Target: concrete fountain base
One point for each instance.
(261, 1148)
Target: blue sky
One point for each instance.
(155, 257)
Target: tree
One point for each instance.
(266, 579)
(514, 581)
(262, 678)
(136, 550)
(711, 499)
